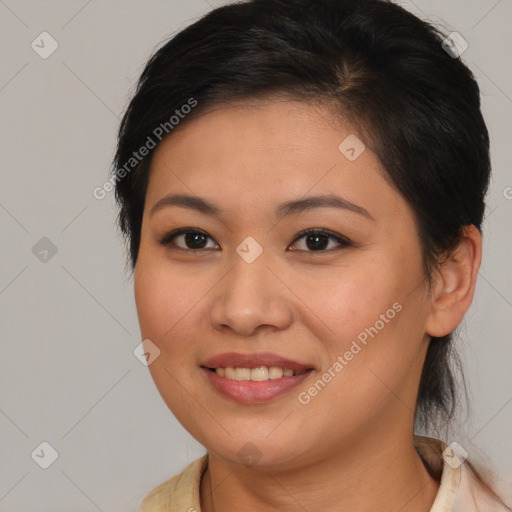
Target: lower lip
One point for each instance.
(254, 392)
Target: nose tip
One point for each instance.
(250, 298)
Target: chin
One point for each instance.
(261, 453)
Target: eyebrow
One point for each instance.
(283, 210)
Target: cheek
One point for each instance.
(370, 325)
(172, 308)
(347, 302)
(162, 298)
(167, 310)
(150, 300)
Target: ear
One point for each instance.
(454, 284)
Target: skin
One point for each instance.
(300, 303)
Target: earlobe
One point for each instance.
(454, 285)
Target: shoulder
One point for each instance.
(473, 494)
(181, 492)
(462, 487)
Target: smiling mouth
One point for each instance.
(251, 386)
(257, 374)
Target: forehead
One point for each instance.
(265, 151)
(263, 119)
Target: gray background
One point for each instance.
(68, 375)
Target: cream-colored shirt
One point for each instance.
(459, 490)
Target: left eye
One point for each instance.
(316, 240)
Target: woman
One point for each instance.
(302, 186)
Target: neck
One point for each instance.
(377, 474)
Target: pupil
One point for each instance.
(317, 244)
(191, 239)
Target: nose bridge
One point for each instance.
(247, 282)
(250, 294)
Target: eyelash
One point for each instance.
(343, 241)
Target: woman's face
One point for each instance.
(250, 293)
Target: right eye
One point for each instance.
(193, 239)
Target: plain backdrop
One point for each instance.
(68, 374)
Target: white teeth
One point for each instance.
(261, 373)
(242, 374)
(274, 372)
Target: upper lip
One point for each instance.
(239, 360)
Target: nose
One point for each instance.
(250, 298)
